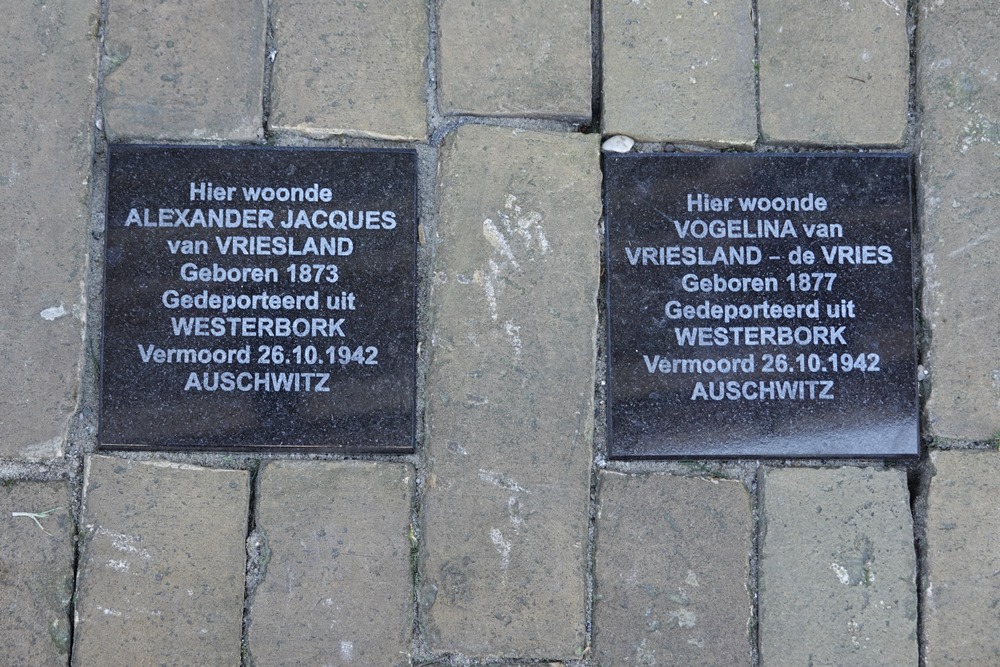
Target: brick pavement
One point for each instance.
(335, 585)
(512, 58)
(161, 570)
(350, 68)
(834, 74)
(837, 568)
(184, 72)
(664, 81)
(959, 93)
(44, 211)
(672, 571)
(506, 539)
(36, 572)
(961, 592)
(505, 521)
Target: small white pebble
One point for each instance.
(618, 144)
(921, 373)
(54, 313)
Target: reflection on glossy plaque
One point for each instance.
(259, 298)
(760, 306)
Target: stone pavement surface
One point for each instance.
(36, 573)
(507, 539)
(510, 393)
(515, 58)
(162, 558)
(667, 79)
(188, 71)
(49, 76)
(961, 593)
(834, 73)
(350, 68)
(672, 571)
(837, 569)
(959, 94)
(336, 586)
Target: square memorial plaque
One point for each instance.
(760, 306)
(259, 298)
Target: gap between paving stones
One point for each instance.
(81, 436)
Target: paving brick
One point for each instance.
(511, 57)
(509, 393)
(672, 567)
(36, 573)
(49, 52)
(162, 564)
(350, 68)
(185, 70)
(958, 89)
(963, 558)
(337, 586)
(837, 569)
(834, 72)
(669, 75)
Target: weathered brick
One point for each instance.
(509, 393)
(673, 561)
(350, 68)
(959, 142)
(185, 70)
(49, 51)
(963, 558)
(834, 72)
(36, 573)
(837, 569)
(670, 76)
(162, 564)
(510, 57)
(337, 586)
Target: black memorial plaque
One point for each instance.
(259, 298)
(760, 306)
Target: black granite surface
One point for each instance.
(282, 323)
(817, 358)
